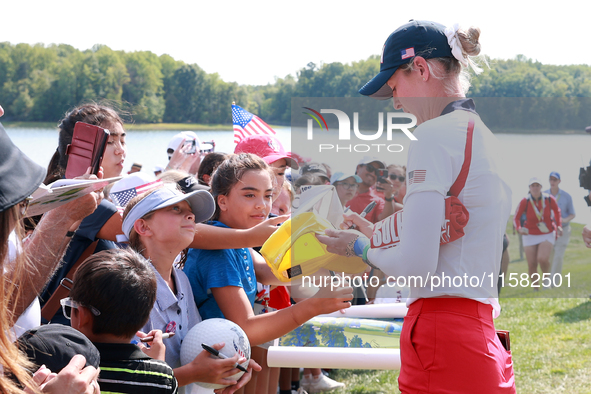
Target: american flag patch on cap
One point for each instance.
(407, 53)
(416, 176)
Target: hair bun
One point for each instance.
(469, 41)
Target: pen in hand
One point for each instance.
(151, 338)
(222, 356)
(363, 214)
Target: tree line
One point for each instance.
(40, 83)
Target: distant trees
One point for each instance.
(40, 83)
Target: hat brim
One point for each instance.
(356, 177)
(201, 202)
(21, 176)
(290, 162)
(364, 162)
(377, 88)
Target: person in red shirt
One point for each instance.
(538, 231)
(367, 171)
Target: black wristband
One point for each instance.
(389, 199)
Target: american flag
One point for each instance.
(416, 176)
(122, 198)
(407, 53)
(247, 124)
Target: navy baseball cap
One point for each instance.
(19, 175)
(415, 38)
(555, 174)
(54, 345)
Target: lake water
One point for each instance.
(526, 155)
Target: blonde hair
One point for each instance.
(289, 188)
(12, 360)
(396, 166)
(449, 70)
(135, 242)
(173, 176)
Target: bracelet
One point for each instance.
(389, 199)
(364, 257)
(350, 250)
(360, 244)
(70, 234)
(365, 250)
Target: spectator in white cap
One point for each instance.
(345, 185)
(539, 229)
(367, 170)
(184, 152)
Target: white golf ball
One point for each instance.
(210, 332)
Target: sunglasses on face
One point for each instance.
(371, 168)
(399, 177)
(348, 186)
(68, 304)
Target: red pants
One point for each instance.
(449, 345)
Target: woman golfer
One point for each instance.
(448, 342)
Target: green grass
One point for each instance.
(550, 332)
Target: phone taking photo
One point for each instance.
(192, 147)
(207, 146)
(382, 174)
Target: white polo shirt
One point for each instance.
(434, 163)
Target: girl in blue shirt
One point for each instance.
(224, 281)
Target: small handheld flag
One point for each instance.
(122, 198)
(247, 124)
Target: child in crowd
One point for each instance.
(224, 281)
(159, 225)
(282, 205)
(111, 299)
(272, 152)
(208, 165)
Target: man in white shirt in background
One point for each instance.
(567, 210)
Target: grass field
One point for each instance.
(550, 332)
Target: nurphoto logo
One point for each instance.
(344, 132)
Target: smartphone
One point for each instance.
(86, 149)
(382, 174)
(207, 146)
(505, 339)
(192, 147)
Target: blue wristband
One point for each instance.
(360, 245)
